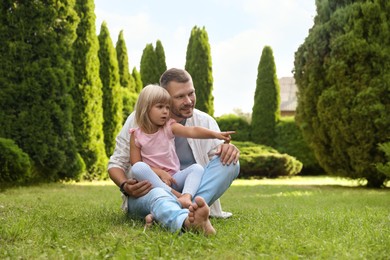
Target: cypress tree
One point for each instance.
(161, 66)
(112, 100)
(126, 79)
(137, 80)
(129, 97)
(152, 63)
(198, 64)
(36, 79)
(342, 71)
(148, 69)
(266, 107)
(87, 94)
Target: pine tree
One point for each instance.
(36, 77)
(198, 64)
(342, 71)
(87, 94)
(266, 107)
(112, 100)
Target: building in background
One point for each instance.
(288, 96)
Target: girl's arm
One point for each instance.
(199, 132)
(135, 152)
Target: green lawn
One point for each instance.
(297, 218)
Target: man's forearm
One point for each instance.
(117, 175)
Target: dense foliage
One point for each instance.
(343, 75)
(198, 64)
(15, 164)
(161, 66)
(112, 101)
(266, 107)
(232, 122)
(87, 94)
(385, 167)
(36, 78)
(137, 80)
(152, 63)
(289, 140)
(125, 77)
(128, 94)
(263, 161)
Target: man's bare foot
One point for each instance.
(185, 200)
(149, 220)
(198, 218)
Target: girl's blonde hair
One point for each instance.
(149, 96)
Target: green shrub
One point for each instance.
(14, 163)
(289, 139)
(384, 167)
(262, 161)
(235, 123)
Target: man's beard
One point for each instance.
(177, 112)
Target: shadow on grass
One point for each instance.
(309, 181)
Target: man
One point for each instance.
(220, 161)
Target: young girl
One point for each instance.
(152, 148)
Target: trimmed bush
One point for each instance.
(289, 139)
(236, 123)
(262, 161)
(14, 163)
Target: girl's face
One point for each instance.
(159, 114)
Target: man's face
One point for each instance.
(183, 99)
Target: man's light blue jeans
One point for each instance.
(165, 208)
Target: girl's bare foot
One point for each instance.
(149, 220)
(198, 218)
(185, 200)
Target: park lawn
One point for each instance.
(296, 218)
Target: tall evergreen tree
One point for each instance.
(342, 71)
(198, 64)
(152, 63)
(87, 94)
(148, 69)
(266, 107)
(161, 66)
(36, 77)
(112, 100)
(126, 79)
(129, 97)
(137, 80)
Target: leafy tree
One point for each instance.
(112, 100)
(198, 64)
(87, 93)
(266, 107)
(36, 77)
(137, 80)
(343, 72)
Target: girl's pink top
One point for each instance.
(158, 149)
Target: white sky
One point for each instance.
(238, 30)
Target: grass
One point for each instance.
(297, 218)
